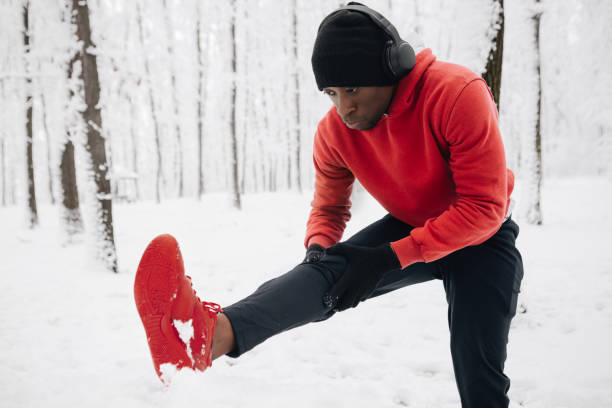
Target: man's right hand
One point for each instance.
(313, 253)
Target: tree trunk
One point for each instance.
(493, 70)
(95, 140)
(296, 79)
(175, 102)
(201, 98)
(3, 168)
(32, 209)
(43, 106)
(71, 213)
(287, 133)
(234, 147)
(243, 158)
(3, 155)
(242, 136)
(134, 140)
(159, 174)
(534, 215)
(262, 115)
(127, 91)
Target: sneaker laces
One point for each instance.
(213, 308)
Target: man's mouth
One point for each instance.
(353, 124)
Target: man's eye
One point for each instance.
(350, 90)
(329, 93)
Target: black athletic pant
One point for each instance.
(481, 283)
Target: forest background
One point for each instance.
(120, 120)
(199, 97)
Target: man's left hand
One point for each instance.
(365, 268)
(313, 253)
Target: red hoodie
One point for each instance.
(436, 162)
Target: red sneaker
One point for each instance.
(179, 326)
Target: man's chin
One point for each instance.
(360, 125)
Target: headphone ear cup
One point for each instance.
(388, 59)
(400, 59)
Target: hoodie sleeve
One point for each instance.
(478, 166)
(331, 204)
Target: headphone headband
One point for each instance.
(377, 18)
(399, 56)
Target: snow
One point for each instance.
(168, 372)
(71, 335)
(185, 332)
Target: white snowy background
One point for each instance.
(70, 334)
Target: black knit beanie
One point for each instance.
(349, 51)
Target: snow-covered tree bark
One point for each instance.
(72, 219)
(159, 178)
(233, 119)
(296, 90)
(49, 143)
(244, 95)
(71, 213)
(178, 157)
(534, 214)
(31, 190)
(277, 106)
(3, 151)
(96, 146)
(3, 169)
(2, 154)
(201, 98)
(493, 71)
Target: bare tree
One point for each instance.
(159, 175)
(178, 164)
(200, 100)
(247, 97)
(71, 212)
(534, 214)
(3, 168)
(8, 184)
(43, 111)
(125, 89)
(95, 139)
(32, 209)
(493, 71)
(134, 140)
(3, 151)
(234, 147)
(73, 221)
(296, 80)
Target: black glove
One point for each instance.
(365, 268)
(313, 253)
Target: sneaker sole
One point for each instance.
(155, 288)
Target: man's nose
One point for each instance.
(346, 106)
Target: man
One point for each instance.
(422, 137)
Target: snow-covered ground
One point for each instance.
(70, 334)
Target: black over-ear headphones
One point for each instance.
(399, 57)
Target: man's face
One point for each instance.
(361, 107)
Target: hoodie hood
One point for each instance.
(406, 86)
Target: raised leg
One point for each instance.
(295, 298)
